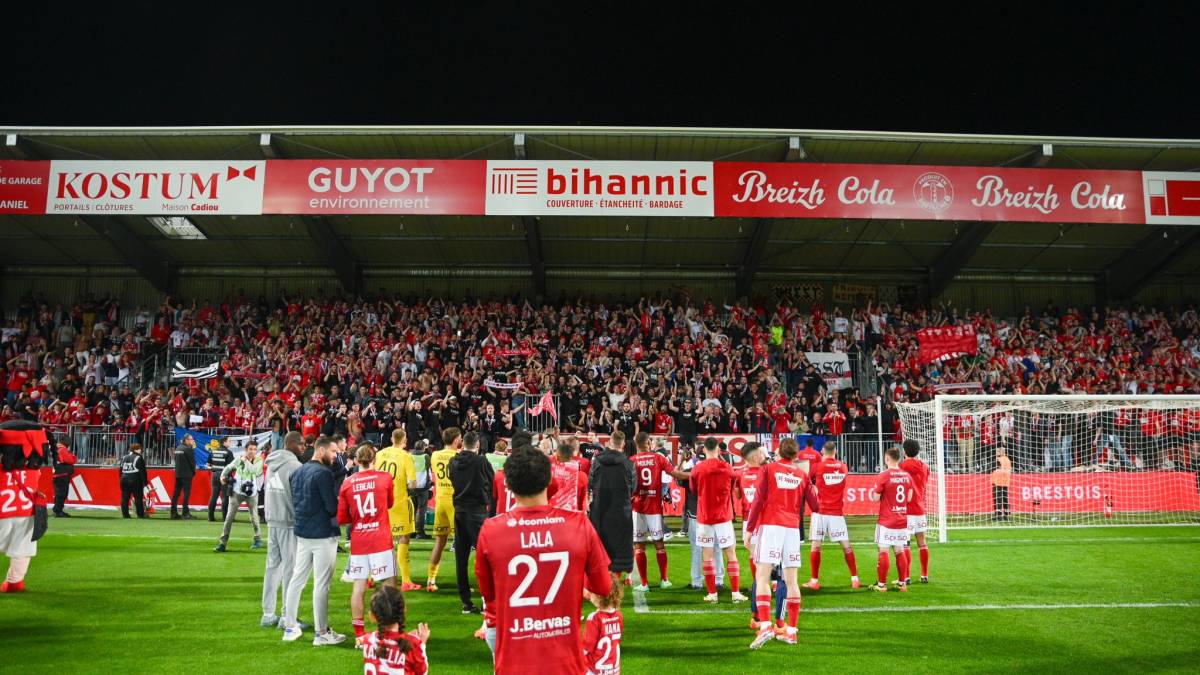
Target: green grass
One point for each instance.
(117, 596)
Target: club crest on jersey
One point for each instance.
(787, 481)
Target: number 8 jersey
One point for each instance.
(532, 565)
(895, 489)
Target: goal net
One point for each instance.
(1057, 461)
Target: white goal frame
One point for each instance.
(940, 451)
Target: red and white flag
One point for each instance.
(545, 405)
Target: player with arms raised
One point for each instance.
(363, 504)
(713, 481)
(648, 508)
(532, 565)
(775, 520)
(829, 477)
(893, 489)
(398, 463)
(917, 524)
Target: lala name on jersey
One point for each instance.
(535, 538)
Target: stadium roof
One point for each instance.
(930, 251)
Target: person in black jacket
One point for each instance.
(472, 476)
(611, 482)
(64, 468)
(133, 481)
(185, 471)
(218, 459)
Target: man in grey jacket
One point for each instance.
(281, 539)
(314, 506)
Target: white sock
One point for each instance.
(17, 567)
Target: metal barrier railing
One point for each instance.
(862, 453)
(104, 446)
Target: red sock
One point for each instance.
(661, 555)
(359, 627)
(902, 560)
(710, 575)
(924, 553)
(639, 557)
(762, 607)
(735, 575)
(793, 611)
(882, 567)
(753, 568)
(814, 560)
(850, 562)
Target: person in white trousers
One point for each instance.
(314, 502)
(281, 538)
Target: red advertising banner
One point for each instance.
(885, 191)
(375, 186)
(947, 342)
(1172, 198)
(23, 186)
(1030, 493)
(97, 487)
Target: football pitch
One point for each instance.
(127, 596)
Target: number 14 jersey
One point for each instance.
(363, 503)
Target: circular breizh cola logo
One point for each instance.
(933, 192)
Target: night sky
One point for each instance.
(1082, 70)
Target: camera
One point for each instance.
(246, 488)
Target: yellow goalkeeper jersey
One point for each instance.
(440, 463)
(399, 463)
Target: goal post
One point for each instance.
(1058, 461)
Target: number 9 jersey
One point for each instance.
(532, 565)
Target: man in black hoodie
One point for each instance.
(472, 476)
(611, 482)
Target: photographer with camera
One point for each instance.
(245, 474)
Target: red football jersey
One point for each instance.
(748, 482)
(781, 488)
(712, 481)
(16, 492)
(532, 565)
(919, 472)
(414, 662)
(572, 485)
(363, 504)
(602, 641)
(647, 492)
(894, 488)
(808, 458)
(310, 425)
(503, 497)
(829, 475)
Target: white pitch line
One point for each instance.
(947, 608)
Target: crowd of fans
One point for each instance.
(326, 365)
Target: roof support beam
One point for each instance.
(148, 263)
(337, 256)
(759, 237)
(1141, 264)
(795, 150)
(533, 243)
(956, 256)
(1043, 157)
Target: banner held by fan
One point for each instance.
(946, 342)
(545, 405)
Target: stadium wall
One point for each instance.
(1005, 296)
